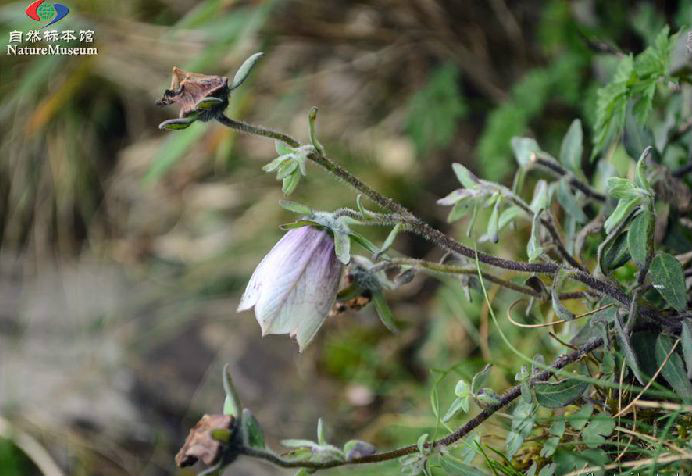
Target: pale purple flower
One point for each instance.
(295, 285)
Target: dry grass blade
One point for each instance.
(648, 384)
(549, 324)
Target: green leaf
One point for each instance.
(619, 187)
(451, 466)
(533, 247)
(283, 148)
(491, 233)
(508, 215)
(523, 421)
(559, 394)
(465, 177)
(420, 443)
(569, 202)
(622, 211)
(668, 279)
(276, 163)
(637, 137)
(342, 246)
(383, 311)
(231, 405)
(321, 432)
(286, 168)
(176, 124)
(462, 389)
(290, 183)
(459, 404)
(599, 427)
(297, 443)
(644, 346)
(312, 130)
(686, 343)
(549, 446)
(479, 379)
(674, 370)
(228, 407)
(558, 427)
(299, 224)
(252, 432)
(541, 197)
(652, 63)
(559, 308)
(581, 417)
(641, 179)
(571, 149)
(638, 236)
(548, 470)
(208, 103)
(295, 207)
(461, 209)
(628, 351)
(244, 70)
(364, 242)
(643, 104)
(525, 150)
(613, 253)
(390, 238)
(611, 106)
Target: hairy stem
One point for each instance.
(257, 130)
(559, 171)
(422, 228)
(508, 397)
(547, 223)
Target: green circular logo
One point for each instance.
(46, 11)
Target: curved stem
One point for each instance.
(559, 171)
(422, 228)
(257, 130)
(451, 269)
(547, 223)
(508, 397)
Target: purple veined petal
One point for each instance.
(295, 285)
(281, 273)
(291, 243)
(308, 306)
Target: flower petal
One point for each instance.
(289, 244)
(283, 283)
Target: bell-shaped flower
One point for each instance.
(295, 285)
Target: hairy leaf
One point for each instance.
(674, 370)
(559, 394)
(638, 236)
(669, 280)
(571, 149)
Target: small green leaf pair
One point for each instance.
(251, 432)
(289, 165)
(630, 195)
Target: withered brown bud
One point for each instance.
(200, 94)
(200, 445)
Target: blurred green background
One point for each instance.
(124, 249)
